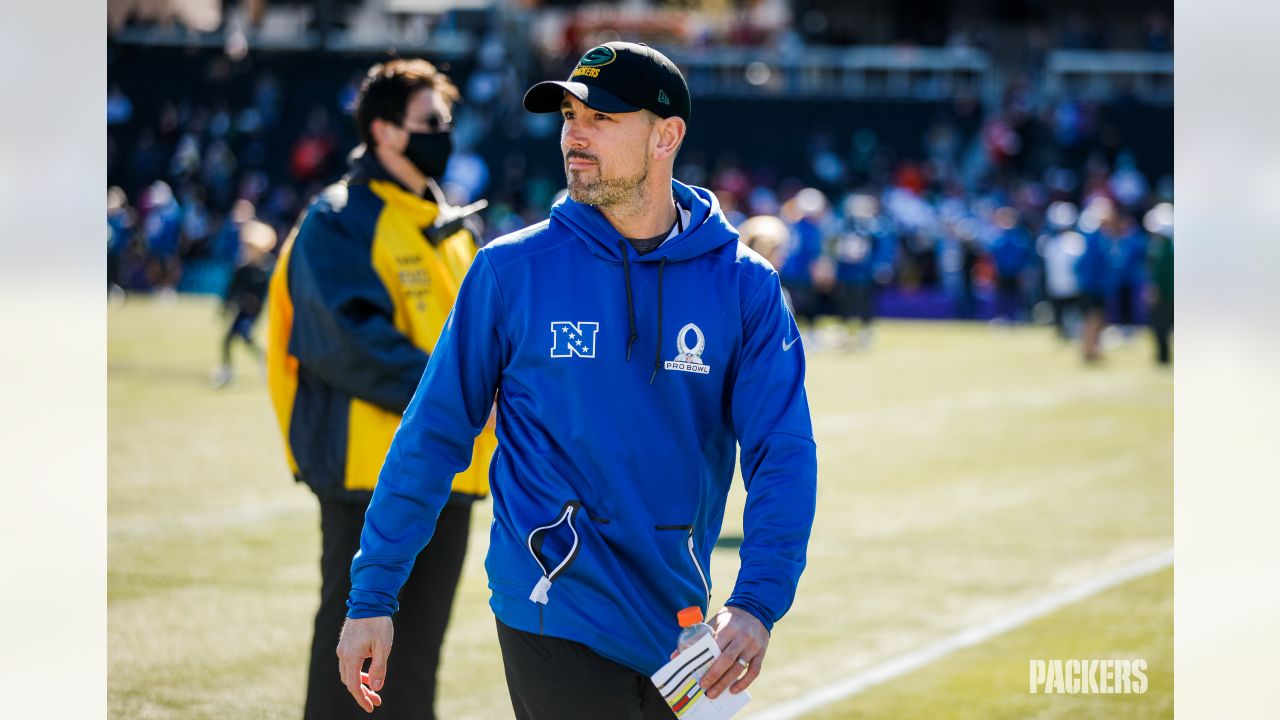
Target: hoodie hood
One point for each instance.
(708, 229)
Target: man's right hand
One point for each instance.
(365, 638)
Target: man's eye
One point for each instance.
(568, 115)
(602, 116)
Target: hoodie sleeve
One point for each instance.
(433, 443)
(779, 457)
(343, 326)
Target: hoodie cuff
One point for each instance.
(366, 604)
(756, 611)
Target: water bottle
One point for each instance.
(691, 627)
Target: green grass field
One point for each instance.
(963, 472)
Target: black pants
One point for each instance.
(425, 602)
(1009, 298)
(1161, 323)
(804, 302)
(554, 679)
(1062, 307)
(241, 327)
(856, 300)
(1126, 306)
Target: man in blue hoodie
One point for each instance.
(610, 480)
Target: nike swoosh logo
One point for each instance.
(787, 345)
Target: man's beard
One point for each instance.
(600, 192)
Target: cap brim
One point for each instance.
(545, 97)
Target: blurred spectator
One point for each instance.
(120, 227)
(350, 91)
(218, 173)
(266, 99)
(1159, 223)
(196, 224)
(467, 177)
(970, 256)
(1128, 260)
(864, 257)
(163, 231)
(226, 244)
(243, 299)
(1011, 253)
(146, 162)
(1104, 271)
(119, 107)
(801, 274)
(309, 160)
(185, 162)
(1127, 185)
(768, 236)
(1061, 247)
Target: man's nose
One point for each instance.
(574, 137)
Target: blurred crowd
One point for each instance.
(186, 179)
(1078, 269)
(986, 216)
(189, 179)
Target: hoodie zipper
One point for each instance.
(706, 587)
(539, 594)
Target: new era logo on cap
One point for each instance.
(618, 77)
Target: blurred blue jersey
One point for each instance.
(863, 250)
(805, 247)
(1011, 251)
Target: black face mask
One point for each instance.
(429, 152)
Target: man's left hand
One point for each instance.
(740, 636)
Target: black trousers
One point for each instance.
(856, 300)
(425, 602)
(241, 327)
(1126, 306)
(554, 679)
(1161, 324)
(1009, 298)
(1062, 306)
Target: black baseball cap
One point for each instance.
(618, 77)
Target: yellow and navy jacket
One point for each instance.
(359, 297)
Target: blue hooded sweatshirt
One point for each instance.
(623, 383)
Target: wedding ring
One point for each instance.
(745, 665)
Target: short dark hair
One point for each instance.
(386, 90)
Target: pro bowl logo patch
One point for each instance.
(598, 56)
(689, 359)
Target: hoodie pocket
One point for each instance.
(554, 546)
(691, 550)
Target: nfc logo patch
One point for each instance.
(569, 339)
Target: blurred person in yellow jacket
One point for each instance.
(361, 292)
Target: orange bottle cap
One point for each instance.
(689, 616)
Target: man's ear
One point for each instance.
(383, 132)
(670, 133)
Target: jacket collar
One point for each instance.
(365, 169)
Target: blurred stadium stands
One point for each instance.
(944, 111)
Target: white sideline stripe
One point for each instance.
(916, 659)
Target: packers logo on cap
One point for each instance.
(590, 63)
(598, 56)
